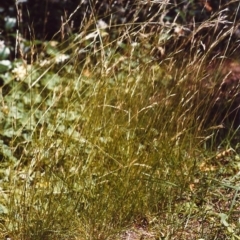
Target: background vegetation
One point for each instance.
(109, 128)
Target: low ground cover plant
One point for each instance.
(119, 132)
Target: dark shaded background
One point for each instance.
(45, 17)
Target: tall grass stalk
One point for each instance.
(110, 134)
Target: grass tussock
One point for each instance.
(109, 138)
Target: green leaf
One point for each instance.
(3, 209)
(5, 65)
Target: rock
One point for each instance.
(223, 115)
(227, 97)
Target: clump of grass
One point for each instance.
(101, 139)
